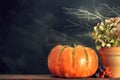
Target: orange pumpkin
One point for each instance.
(72, 62)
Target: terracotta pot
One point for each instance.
(111, 58)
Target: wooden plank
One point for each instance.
(45, 77)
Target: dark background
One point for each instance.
(30, 28)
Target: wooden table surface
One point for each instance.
(45, 77)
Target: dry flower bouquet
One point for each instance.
(107, 39)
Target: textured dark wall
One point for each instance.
(30, 28)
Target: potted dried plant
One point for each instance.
(107, 39)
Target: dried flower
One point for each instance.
(107, 33)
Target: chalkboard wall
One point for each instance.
(30, 28)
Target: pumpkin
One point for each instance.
(72, 62)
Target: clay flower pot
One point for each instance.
(111, 58)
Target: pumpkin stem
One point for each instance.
(73, 45)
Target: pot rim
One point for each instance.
(112, 51)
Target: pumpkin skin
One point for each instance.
(72, 62)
